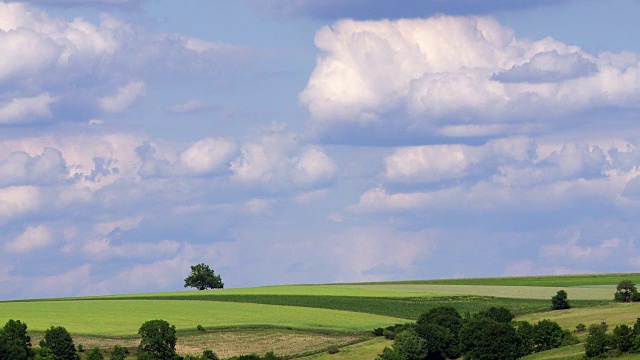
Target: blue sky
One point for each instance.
(314, 141)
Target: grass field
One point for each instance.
(124, 317)
(295, 320)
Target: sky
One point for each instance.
(287, 142)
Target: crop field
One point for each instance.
(124, 317)
(304, 320)
(549, 281)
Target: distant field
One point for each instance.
(406, 308)
(552, 281)
(613, 314)
(124, 317)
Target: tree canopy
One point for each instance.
(203, 277)
(559, 301)
(158, 341)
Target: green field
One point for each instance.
(124, 317)
(297, 320)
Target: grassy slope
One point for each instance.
(124, 317)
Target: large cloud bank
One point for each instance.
(458, 77)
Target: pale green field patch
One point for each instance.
(124, 317)
(515, 292)
(613, 314)
(366, 350)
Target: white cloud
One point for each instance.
(428, 76)
(207, 155)
(16, 201)
(314, 166)
(274, 159)
(19, 168)
(33, 238)
(125, 97)
(86, 69)
(26, 110)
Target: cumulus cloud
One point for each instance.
(124, 98)
(432, 163)
(26, 110)
(275, 157)
(76, 70)
(33, 238)
(460, 76)
(19, 168)
(505, 174)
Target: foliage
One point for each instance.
(406, 346)
(626, 292)
(598, 342)
(202, 277)
(15, 344)
(60, 342)
(333, 349)
(547, 335)
(44, 354)
(498, 314)
(94, 354)
(119, 353)
(158, 341)
(622, 338)
(581, 327)
(559, 301)
(484, 339)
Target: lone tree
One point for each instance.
(626, 292)
(202, 277)
(559, 301)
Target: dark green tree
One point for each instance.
(526, 334)
(438, 340)
(598, 342)
(119, 353)
(626, 292)
(482, 338)
(94, 354)
(158, 341)
(59, 341)
(407, 345)
(15, 344)
(622, 338)
(559, 301)
(498, 314)
(202, 277)
(547, 335)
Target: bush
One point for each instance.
(378, 331)
(598, 342)
(119, 353)
(200, 328)
(559, 301)
(95, 354)
(581, 327)
(333, 349)
(209, 355)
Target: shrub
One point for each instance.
(581, 327)
(119, 353)
(378, 331)
(95, 354)
(209, 355)
(333, 349)
(200, 328)
(559, 301)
